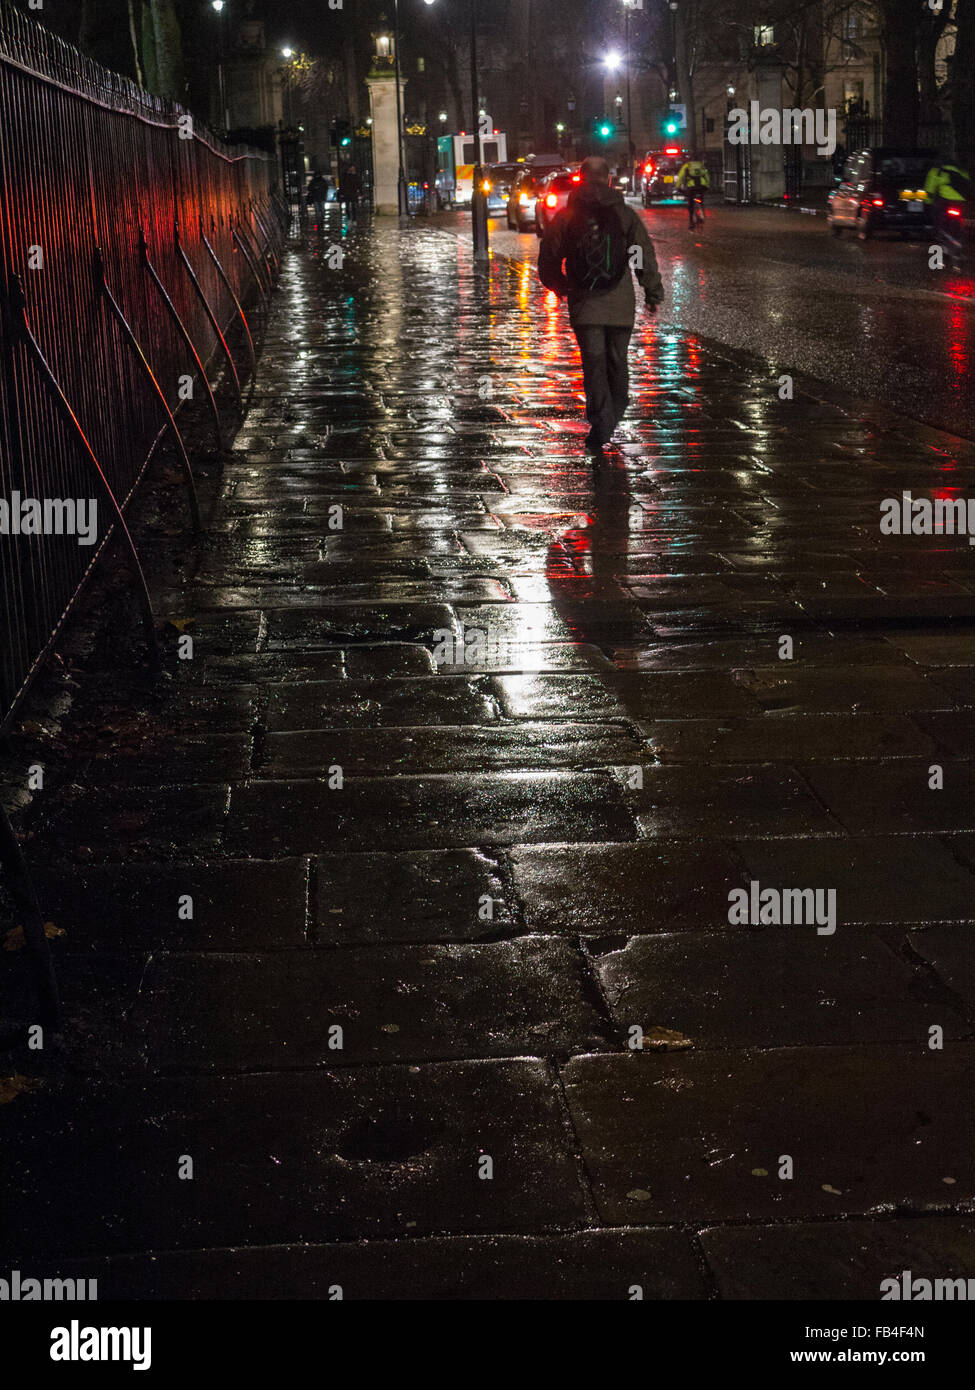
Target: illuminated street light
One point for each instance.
(287, 53)
(612, 61)
(217, 6)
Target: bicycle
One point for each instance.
(698, 202)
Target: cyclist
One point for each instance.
(693, 181)
(947, 187)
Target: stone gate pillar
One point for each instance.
(385, 155)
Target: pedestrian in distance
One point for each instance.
(318, 195)
(693, 181)
(586, 256)
(350, 191)
(948, 187)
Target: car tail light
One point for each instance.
(551, 200)
(648, 167)
(671, 149)
(877, 202)
(577, 178)
(953, 212)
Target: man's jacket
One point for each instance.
(693, 175)
(614, 308)
(947, 181)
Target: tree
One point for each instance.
(962, 82)
(900, 25)
(162, 50)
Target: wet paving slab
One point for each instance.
(701, 1136)
(289, 1157)
(580, 1265)
(831, 1260)
(428, 812)
(463, 746)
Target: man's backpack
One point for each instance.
(596, 259)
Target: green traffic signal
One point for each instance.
(605, 131)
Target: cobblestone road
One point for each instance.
(472, 750)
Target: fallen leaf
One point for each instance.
(665, 1039)
(639, 1194)
(14, 940)
(12, 1086)
(759, 1172)
(835, 1190)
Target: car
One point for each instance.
(499, 179)
(553, 195)
(657, 175)
(882, 190)
(521, 199)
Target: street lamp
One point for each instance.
(218, 6)
(402, 192)
(287, 54)
(630, 146)
(479, 220)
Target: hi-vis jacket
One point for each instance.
(943, 180)
(693, 175)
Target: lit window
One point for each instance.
(764, 35)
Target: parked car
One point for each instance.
(500, 178)
(553, 195)
(882, 190)
(657, 174)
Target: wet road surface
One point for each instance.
(473, 748)
(870, 317)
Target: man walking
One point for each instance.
(318, 195)
(350, 191)
(586, 255)
(693, 181)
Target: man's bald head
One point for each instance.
(595, 170)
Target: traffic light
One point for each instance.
(341, 132)
(603, 128)
(675, 121)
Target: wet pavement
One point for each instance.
(396, 939)
(872, 318)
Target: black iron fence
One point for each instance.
(130, 240)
